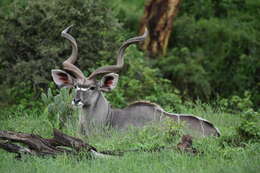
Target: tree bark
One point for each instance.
(158, 18)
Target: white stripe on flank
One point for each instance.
(202, 127)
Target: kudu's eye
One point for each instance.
(92, 88)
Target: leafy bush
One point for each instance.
(129, 13)
(213, 57)
(213, 49)
(59, 110)
(31, 45)
(210, 8)
(139, 81)
(187, 73)
(237, 104)
(249, 129)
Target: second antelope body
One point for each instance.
(95, 109)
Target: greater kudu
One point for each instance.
(96, 110)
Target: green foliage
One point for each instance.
(214, 56)
(249, 129)
(213, 49)
(237, 104)
(31, 45)
(129, 13)
(154, 136)
(210, 8)
(187, 73)
(58, 108)
(141, 82)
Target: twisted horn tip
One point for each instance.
(66, 30)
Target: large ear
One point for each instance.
(62, 78)
(108, 82)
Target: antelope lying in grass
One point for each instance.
(95, 109)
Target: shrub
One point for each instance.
(140, 81)
(210, 8)
(31, 45)
(213, 57)
(59, 110)
(236, 104)
(249, 129)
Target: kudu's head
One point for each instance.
(89, 88)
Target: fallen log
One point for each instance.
(62, 143)
(39, 146)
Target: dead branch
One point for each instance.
(37, 145)
(62, 143)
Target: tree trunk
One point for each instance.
(158, 18)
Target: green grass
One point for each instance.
(215, 157)
(243, 161)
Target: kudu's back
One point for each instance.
(143, 113)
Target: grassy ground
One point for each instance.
(217, 155)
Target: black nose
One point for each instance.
(76, 101)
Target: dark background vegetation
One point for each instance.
(213, 51)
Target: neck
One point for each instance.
(95, 115)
